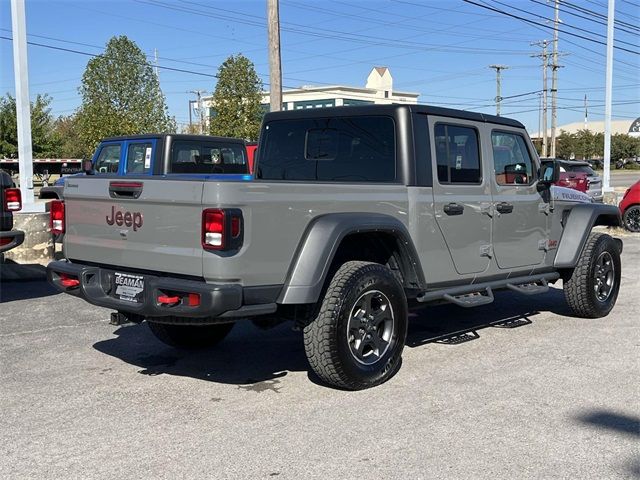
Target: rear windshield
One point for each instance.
(577, 169)
(207, 157)
(342, 149)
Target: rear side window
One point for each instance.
(512, 162)
(108, 159)
(457, 154)
(139, 157)
(579, 169)
(207, 157)
(342, 149)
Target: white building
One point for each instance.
(378, 89)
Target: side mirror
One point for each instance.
(549, 174)
(87, 167)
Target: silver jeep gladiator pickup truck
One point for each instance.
(353, 213)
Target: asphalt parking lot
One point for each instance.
(516, 389)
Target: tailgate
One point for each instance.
(139, 224)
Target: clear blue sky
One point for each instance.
(439, 48)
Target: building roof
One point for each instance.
(381, 70)
(617, 126)
(344, 88)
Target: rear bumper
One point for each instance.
(15, 238)
(216, 300)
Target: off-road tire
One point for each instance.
(326, 337)
(579, 288)
(190, 336)
(629, 218)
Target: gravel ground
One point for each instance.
(516, 389)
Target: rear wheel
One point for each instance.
(356, 340)
(593, 287)
(190, 336)
(631, 218)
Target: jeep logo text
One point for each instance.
(128, 219)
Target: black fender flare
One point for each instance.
(319, 244)
(578, 224)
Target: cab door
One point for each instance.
(138, 156)
(461, 192)
(520, 219)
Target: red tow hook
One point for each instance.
(167, 300)
(68, 282)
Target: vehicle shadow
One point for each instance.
(255, 359)
(614, 422)
(248, 356)
(452, 325)
(23, 282)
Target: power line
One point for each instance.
(502, 12)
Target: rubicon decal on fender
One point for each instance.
(128, 219)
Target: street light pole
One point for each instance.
(23, 107)
(607, 100)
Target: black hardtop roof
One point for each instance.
(390, 109)
(175, 136)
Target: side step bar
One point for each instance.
(530, 288)
(474, 295)
(469, 300)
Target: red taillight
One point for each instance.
(221, 229)
(12, 199)
(168, 300)
(213, 223)
(56, 217)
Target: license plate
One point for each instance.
(129, 288)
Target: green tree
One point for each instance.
(237, 100)
(121, 95)
(44, 143)
(565, 145)
(585, 144)
(67, 129)
(624, 146)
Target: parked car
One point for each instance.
(164, 154)
(354, 212)
(10, 202)
(578, 175)
(630, 208)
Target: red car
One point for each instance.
(630, 208)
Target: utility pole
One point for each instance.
(155, 59)
(190, 122)
(498, 69)
(23, 107)
(198, 94)
(586, 115)
(607, 100)
(275, 65)
(554, 79)
(545, 64)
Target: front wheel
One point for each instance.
(631, 218)
(593, 287)
(356, 340)
(190, 336)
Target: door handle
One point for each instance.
(453, 209)
(125, 189)
(504, 207)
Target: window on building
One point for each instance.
(347, 102)
(386, 94)
(314, 104)
(457, 154)
(342, 149)
(511, 159)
